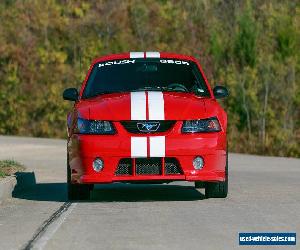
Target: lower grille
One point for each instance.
(148, 166)
(172, 167)
(124, 167)
(151, 166)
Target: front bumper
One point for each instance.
(210, 171)
(83, 149)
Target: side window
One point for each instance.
(200, 85)
(89, 85)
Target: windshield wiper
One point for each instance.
(157, 89)
(102, 93)
(147, 89)
(173, 89)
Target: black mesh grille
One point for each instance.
(148, 166)
(151, 166)
(133, 127)
(124, 167)
(172, 166)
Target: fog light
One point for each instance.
(98, 164)
(198, 163)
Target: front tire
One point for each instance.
(199, 184)
(218, 189)
(76, 191)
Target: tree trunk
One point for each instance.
(264, 114)
(245, 106)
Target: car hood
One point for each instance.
(154, 106)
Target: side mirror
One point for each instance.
(220, 92)
(70, 94)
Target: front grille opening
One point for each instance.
(124, 167)
(148, 166)
(132, 126)
(172, 166)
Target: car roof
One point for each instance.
(146, 54)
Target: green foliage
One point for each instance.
(9, 167)
(245, 42)
(250, 46)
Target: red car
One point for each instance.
(146, 117)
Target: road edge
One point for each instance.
(7, 186)
(45, 232)
(15, 183)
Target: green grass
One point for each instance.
(10, 167)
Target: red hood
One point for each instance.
(176, 106)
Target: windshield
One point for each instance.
(145, 74)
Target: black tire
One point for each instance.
(218, 189)
(199, 184)
(77, 191)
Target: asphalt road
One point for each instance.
(264, 197)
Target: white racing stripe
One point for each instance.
(152, 54)
(138, 112)
(136, 54)
(149, 54)
(157, 146)
(138, 147)
(138, 105)
(156, 105)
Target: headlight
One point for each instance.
(94, 127)
(198, 126)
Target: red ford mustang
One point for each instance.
(146, 117)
